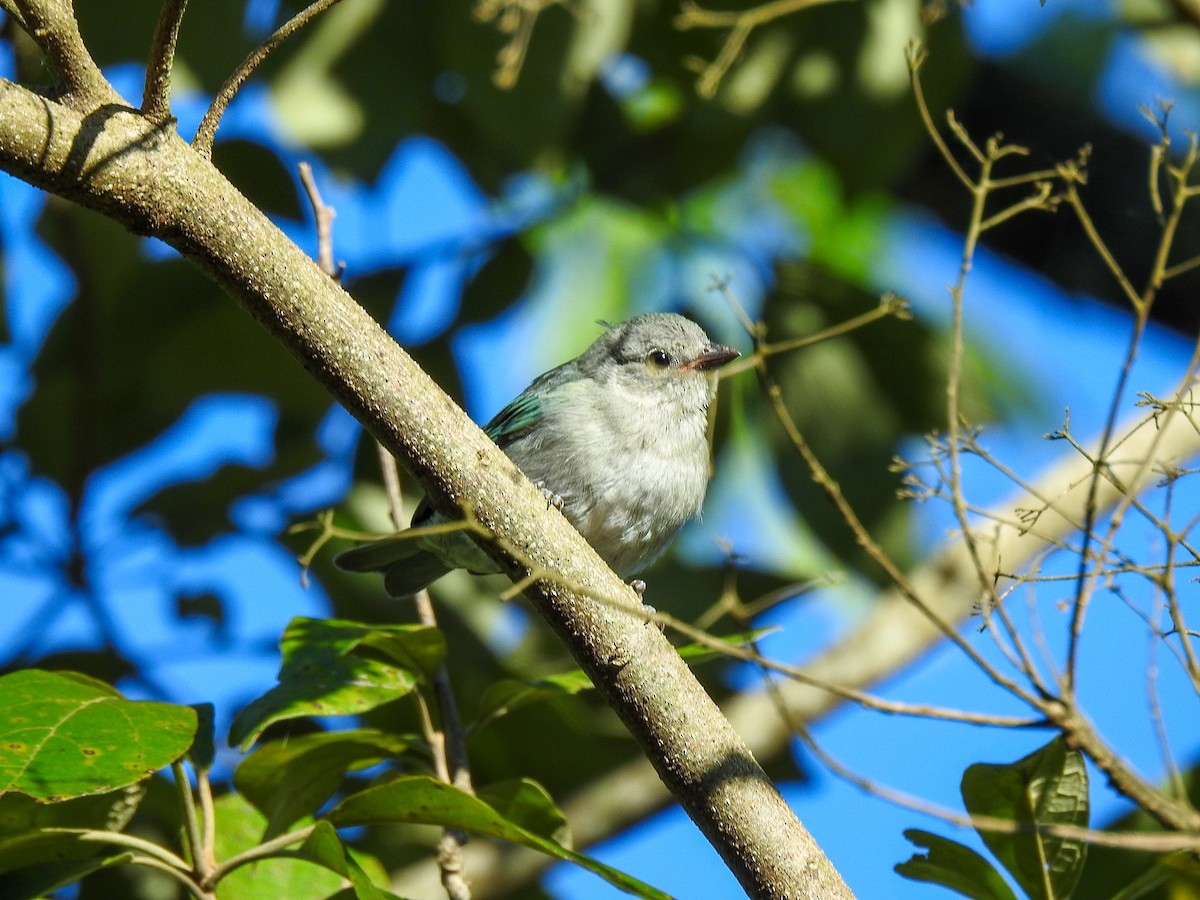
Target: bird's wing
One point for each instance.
(516, 420)
(376, 555)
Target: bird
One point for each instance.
(617, 438)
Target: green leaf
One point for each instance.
(954, 866)
(203, 748)
(48, 845)
(41, 880)
(326, 849)
(289, 779)
(694, 654)
(65, 736)
(502, 697)
(20, 813)
(1049, 786)
(239, 828)
(326, 671)
(41, 848)
(526, 804)
(423, 800)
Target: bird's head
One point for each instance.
(659, 355)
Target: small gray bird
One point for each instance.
(618, 434)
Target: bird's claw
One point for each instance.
(639, 587)
(552, 499)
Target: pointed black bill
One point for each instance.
(712, 358)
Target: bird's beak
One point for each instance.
(712, 358)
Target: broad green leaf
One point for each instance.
(239, 828)
(527, 804)
(1049, 786)
(427, 801)
(954, 866)
(416, 647)
(64, 736)
(289, 779)
(325, 672)
(502, 697)
(41, 880)
(203, 749)
(326, 849)
(111, 812)
(48, 845)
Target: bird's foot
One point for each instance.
(639, 587)
(552, 499)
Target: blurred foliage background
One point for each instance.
(157, 443)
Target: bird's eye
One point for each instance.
(658, 359)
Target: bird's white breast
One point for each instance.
(631, 469)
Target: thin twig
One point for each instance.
(121, 839)
(1174, 778)
(1127, 840)
(191, 823)
(55, 30)
(323, 216)
(202, 143)
(916, 56)
(208, 821)
(863, 538)
(262, 851)
(741, 23)
(156, 95)
(137, 859)
(448, 745)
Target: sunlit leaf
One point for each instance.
(1047, 787)
(240, 828)
(951, 865)
(64, 736)
(424, 800)
(325, 671)
(326, 849)
(289, 779)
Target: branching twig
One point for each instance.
(191, 822)
(262, 851)
(1128, 840)
(202, 143)
(516, 18)
(741, 23)
(156, 95)
(447, 744)
(52, 25)
(323, 216)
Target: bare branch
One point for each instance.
(52, 25)
(447, 744)
(323, 216)
(741, 23)
(202, 143)
(156, 96)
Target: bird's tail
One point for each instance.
(406, 566)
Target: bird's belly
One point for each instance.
(630, 516)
